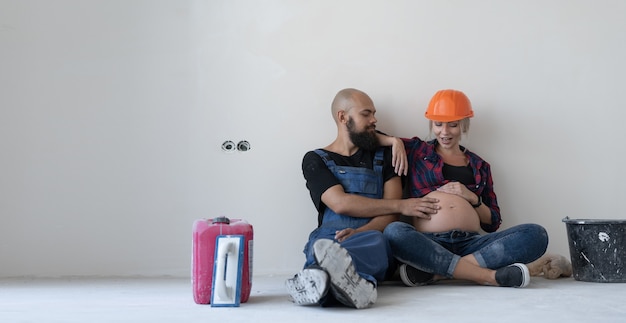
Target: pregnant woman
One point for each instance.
(447, 242)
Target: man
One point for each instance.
(356, 192)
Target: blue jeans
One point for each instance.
(439, 253)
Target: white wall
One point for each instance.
(112, 114)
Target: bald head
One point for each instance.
(348, 98)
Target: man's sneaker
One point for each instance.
(515, 275)
(308, 286)
(412, 276)
(347, 286)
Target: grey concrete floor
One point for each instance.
(563, 300)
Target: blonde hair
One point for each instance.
(464, 123)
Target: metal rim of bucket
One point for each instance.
(593, 221)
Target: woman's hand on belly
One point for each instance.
(455, 213)
(457, 188)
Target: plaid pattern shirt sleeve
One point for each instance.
(426, 175)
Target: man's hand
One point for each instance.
(344, 234)
(420, 207)
(398, 157)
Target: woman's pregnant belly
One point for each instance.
(455, 214)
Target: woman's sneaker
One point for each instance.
(308, 286)
(346, 284)
(515, 275)
(412, 276)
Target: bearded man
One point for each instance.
(354, 187)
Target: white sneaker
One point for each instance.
(347, 286)
(307, 287)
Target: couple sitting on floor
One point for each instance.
(355, 184)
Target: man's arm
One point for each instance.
(398, 152)
(382, 211)
(359, 206)
(392, 190)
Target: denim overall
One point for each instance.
(370, 251)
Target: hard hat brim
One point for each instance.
(447, 118)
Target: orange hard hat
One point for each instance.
(448, 106)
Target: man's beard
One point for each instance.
(365, 140)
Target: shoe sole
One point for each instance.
(421, 281)
(307, 287)
(350, 288)
(404, 277)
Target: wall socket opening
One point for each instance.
(228, 146)
(243, 145)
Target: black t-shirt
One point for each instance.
(319, 178)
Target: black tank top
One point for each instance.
(463, 174)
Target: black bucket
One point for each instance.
(597, 249)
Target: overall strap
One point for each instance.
(379, 161)
(327, 160)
